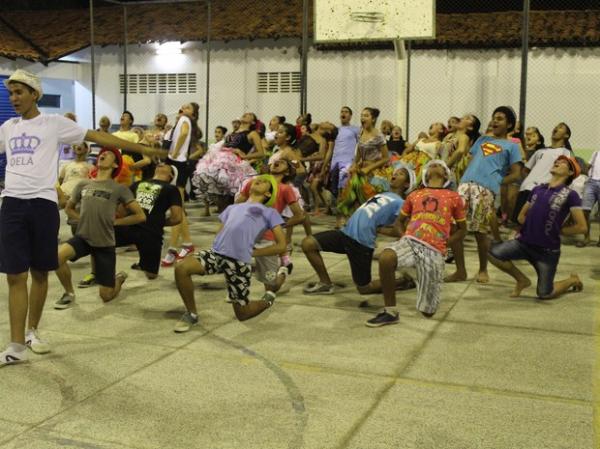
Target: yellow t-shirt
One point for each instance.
(129, 136)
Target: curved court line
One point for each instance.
(297, 440)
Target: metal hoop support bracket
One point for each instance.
(367, 16)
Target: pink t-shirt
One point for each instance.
(431, 212)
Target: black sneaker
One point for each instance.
(290, 267)
(136, 266)
(65, 301)
(382, 319)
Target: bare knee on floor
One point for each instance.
(107, 294)
(239, 311)
(364, 289)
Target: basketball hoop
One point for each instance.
(367, 16)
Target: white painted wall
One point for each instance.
(562, 84)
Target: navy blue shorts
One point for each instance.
(544, 260)
(28, 235)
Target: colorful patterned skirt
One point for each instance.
(416, 160)
(220, 172)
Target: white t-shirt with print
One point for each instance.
(183, 152)
(31, 148)
(540, 164)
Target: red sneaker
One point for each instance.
(185, 251)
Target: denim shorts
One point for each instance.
(544, 260)
(591, 194)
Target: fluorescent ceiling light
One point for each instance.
(169, 48)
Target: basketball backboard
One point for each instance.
(373, 20)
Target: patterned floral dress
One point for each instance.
(423, 153)
(359, 188)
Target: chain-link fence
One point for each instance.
(248, 57)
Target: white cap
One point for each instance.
(437, 162)
(412, 178)
(27, 78)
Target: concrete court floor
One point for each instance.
(486, 372)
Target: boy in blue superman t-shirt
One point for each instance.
(495, 161)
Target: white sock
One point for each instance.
(271, 297)
(392, 310)
(17, 347)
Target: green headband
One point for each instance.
(273, 182)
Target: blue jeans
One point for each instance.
(591, 194)
(544, 260)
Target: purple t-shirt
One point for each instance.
(549, 207)
(243, 224)
(344, 148)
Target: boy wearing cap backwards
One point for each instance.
(495, 162)
(156, 197)
(232, 251)
(538, 242)
(95, 235)
(357, 238)
(29, 220)
(425, 222)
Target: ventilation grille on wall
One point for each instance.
(278, 82)
(159, 83)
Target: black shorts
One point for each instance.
(183, 172)
(149, 245)
(360, 256)
(28, 235)
(104, 258)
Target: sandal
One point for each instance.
(577, 287)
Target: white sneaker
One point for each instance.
(186, 322)
(169, 258)
(35, 343)
(13, 355)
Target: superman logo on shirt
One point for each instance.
(490, 149)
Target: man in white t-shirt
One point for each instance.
(538, 166)
(29, 219)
